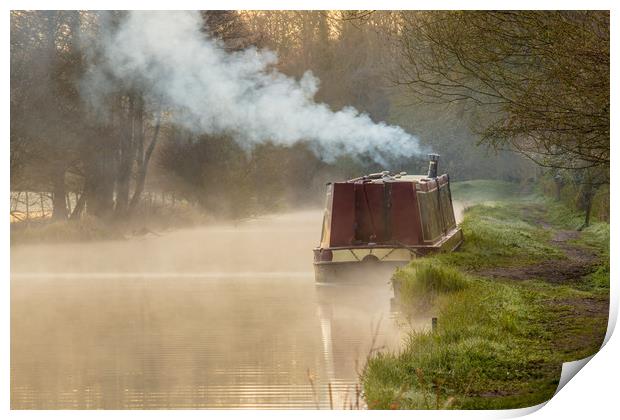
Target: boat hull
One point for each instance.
(370, 261)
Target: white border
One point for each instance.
(317, 4)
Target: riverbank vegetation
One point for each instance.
(526, 292)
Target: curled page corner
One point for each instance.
(570, 369)
(518, 412)
(614, 301)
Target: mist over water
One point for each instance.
(242, 94)
(225, 316)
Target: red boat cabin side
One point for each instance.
(387, 218)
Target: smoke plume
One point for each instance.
(240, 93)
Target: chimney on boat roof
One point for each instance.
(432, 165)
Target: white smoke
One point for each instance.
(240, 93)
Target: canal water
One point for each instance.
(214, 317)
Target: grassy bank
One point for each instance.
(90, 228)
(525, 293)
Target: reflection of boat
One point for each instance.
(354, 318)
(385, 218)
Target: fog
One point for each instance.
(196, 154)
(266, 244)
(224, 316)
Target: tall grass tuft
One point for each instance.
(419, 285)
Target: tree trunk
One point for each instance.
(124, 165)
(559, 183)
(588, 212)
(100, 191)
(27, 207)
(141, 179)
(587, 195)
(79, 207)
(100, 199)
(59, 201)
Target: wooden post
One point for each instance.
(331, 398)
(434, 324)
(42, 208)
(27, 207)
(15, 201)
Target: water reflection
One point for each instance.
(204, 337)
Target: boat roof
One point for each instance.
(386, 176)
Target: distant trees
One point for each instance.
(46, 117)
(110, 150)
(60, 138)
(539, 78)
(344, 55)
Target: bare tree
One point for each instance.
(542, 77)
(45, 104)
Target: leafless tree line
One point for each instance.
(536, 83)
(33, 205)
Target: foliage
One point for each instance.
(536, 82)
(498, 344)
(543, 75)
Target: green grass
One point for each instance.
(421, 285)
(496, 234)
(594, 237)
(498, 344)
(480, 355)
(480, 190)
(429, 278)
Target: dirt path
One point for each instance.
(578, 261)
(578, 322)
